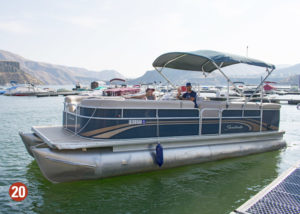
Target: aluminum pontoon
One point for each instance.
(109, 136)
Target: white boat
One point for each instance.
(231, 93)
(110, 136)
(2, 91)
(24, 90)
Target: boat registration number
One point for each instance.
(137, 122)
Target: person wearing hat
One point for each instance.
(188, 95)
(148, 96)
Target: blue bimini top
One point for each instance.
(204, 60)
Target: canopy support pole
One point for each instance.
(227, 98)
(269, 73)
(219, 68)
(164, 76)
(236, 88)
(160, 71)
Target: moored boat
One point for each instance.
(120, 90)
(2, 91)
(24, 90)
(109, 136)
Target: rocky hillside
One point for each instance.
(291, 80)
(10, 71)
(288, 71)
(58, 74)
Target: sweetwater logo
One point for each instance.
(230, 127)
(236, 127)
(137, 122)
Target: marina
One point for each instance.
(147, 107)
(202, 184)
(227, 125)
(292, 100)
(55, 94)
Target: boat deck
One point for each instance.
(58, 138)
(281, 196)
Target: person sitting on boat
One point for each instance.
(148, 96)
(188, 95)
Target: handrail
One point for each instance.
(220, 117)
(200, 116)
(157, 123)
(207, 109)
(131, 118)
(100, 107)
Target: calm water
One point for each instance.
(216, 187)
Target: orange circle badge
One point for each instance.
(18, 191)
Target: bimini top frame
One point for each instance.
(207, 61)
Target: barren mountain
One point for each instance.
(58, 74)
(10, 71)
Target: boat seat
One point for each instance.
(120, 102)
(271, 106)
(213, 107)
(253, 105)
(73, 101)
(136, 103)
(237, 105)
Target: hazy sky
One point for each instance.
(127, 35)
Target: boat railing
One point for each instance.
(201, 118)
(221, 117)
(218, 112)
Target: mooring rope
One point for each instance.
(76, 132)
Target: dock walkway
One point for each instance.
(52, 94)
(281, 196)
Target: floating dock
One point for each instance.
(281, 196)
(53, 94)
(290, 101)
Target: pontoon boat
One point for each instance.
(111, 136)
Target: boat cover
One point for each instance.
(202, 60)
